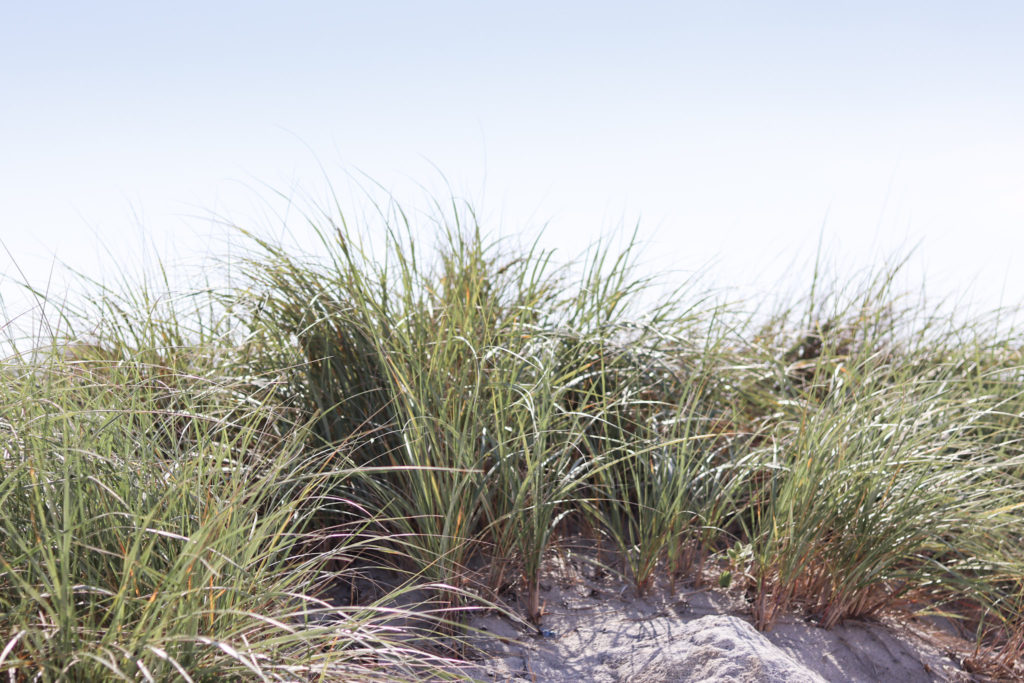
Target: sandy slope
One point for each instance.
(596, 628)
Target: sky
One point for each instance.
(733, 134)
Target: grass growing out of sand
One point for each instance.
(183, 476)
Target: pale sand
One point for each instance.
(597, 629)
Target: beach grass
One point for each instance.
(187, 476)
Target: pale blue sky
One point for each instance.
(733, 131)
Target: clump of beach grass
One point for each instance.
(156, 505)
(186, 477)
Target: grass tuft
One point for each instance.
(196, 484)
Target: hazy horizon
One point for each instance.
(733, 136)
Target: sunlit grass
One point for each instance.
(186, 478)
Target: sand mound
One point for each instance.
(601, 631)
